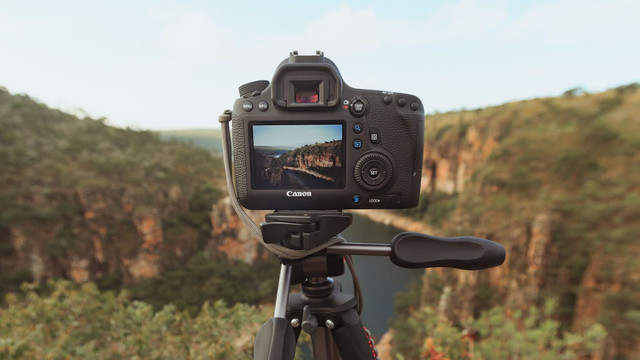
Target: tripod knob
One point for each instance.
(309, 322)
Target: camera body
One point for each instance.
(308, 141)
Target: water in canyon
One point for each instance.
(379, 278)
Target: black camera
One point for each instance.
(308, 141)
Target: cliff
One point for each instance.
(555, 181)
(230, 236)
(321, 160)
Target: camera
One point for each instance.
(308, 141)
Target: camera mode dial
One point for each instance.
(248, 89)
(373, 171)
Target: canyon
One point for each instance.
(554, 180)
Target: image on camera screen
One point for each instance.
(308, 156)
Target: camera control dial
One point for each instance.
(373, 171)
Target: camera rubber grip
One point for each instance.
(240, 157)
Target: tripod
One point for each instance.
(322, 310)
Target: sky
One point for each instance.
(178, 64)
(295, 135)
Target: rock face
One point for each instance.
(314, 157)
(146, 263)
(109, 234)
(448, 164)
(113, 236)
(320, 160)
(230, 236)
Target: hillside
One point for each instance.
(557, 182)
(85, 201)
(208, 139)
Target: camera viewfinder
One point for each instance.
(307, 93)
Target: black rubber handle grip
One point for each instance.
(415, 251)
(350, 339)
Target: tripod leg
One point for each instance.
(276, 339)
(282, 296)
(351, 340)
(323, 345)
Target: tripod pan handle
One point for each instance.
(415, 251)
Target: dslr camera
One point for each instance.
(308, 141)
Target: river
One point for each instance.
(379, 278)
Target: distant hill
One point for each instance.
(208, 139)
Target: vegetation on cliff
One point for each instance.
(557, 182)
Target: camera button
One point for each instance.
(263, 106)
(374, 136)
(374, 172)
(357, 128)
(387, 99)
(356, 199)
(358, 107)
(357, 143)
(415, 106)
(402, 102)
(247, 106)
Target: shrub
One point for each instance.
(80, 322)
(500, 333)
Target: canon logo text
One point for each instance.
(298, 193)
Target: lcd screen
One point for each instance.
(297, 156)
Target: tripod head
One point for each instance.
(321, 309)
(303, 230)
